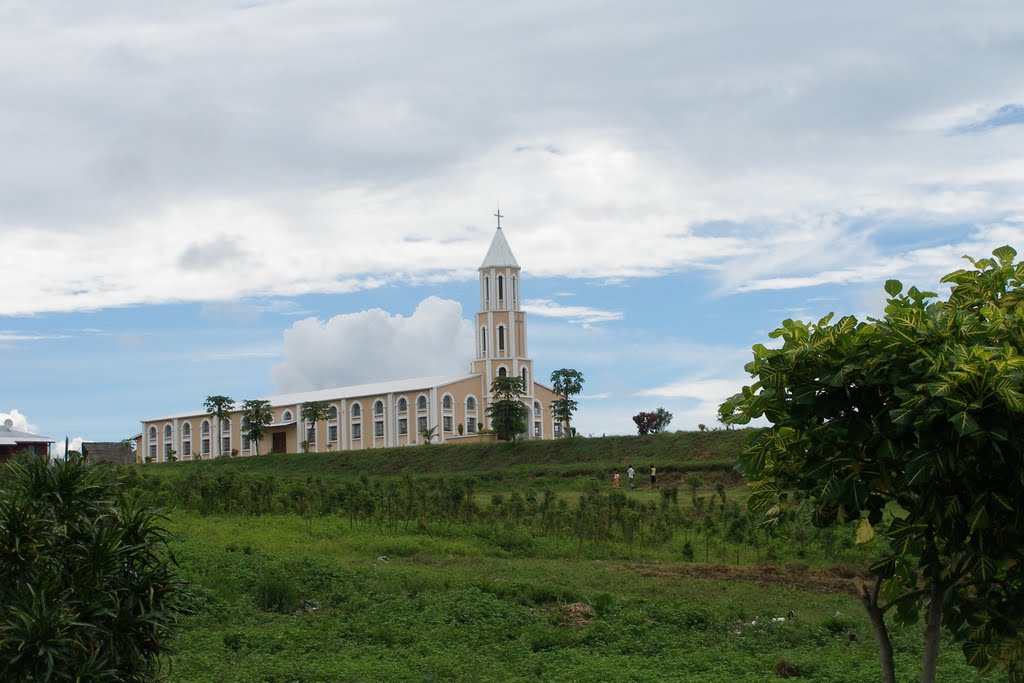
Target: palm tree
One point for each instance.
(219, 407)
(314, 412)
(429, 434)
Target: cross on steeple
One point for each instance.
(499, 217)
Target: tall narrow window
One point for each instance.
(501, 338)
(526, 384)
(514, 288)
(483, 340)
(501, 288)
(186, 441)
(487, 292)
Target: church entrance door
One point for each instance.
(278, 442)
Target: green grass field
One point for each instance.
(534, 570)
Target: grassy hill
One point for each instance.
(512, 562)
(551, 463)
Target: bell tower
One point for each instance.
(500, 322)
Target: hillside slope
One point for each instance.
(673, 453)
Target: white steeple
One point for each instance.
(500, 254)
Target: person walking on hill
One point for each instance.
(630, 475)
(615, 480)
(654, 477)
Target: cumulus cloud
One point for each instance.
(57, 448)
(20, 422)
(374, 345)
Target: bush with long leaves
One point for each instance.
(88, 590)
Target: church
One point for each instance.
(393, 413)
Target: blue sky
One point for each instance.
(251, 198)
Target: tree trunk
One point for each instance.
(870, 602)
(932, 631)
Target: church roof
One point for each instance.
(338, 393)
(500, 254)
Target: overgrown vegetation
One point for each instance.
(513, 562)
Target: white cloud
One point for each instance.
(57, 448)
(573, 314)
(374, 345)
(210, 152)
(20, 422)
(12, 336)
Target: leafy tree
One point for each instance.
(313, 412)
(664, 418)
(913, 425)
(256, 419)
(645, 422)
(219, 407)
(89, 590)
(507, 413)
(566, 383)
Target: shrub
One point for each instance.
(276, 592)
(89, 591)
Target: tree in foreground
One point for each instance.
(256, 419)
(507, 413)
(313, 412)
(219, 407)
(566, 383)
(89, 591)
(912, 425)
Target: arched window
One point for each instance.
(501, 338)
(403, 405)
(332, 413)
(483, 339)
(287, 416)
(152, 432)
(502, 372)
(186, 441)
(357, 423)
(447, 403)
(167, 432)
(204, 444)
(378, 408)
(421, 403)
(536, 408)
(470, 403)
(225, 437)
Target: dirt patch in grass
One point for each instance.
(835, 579)
(576, 615)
